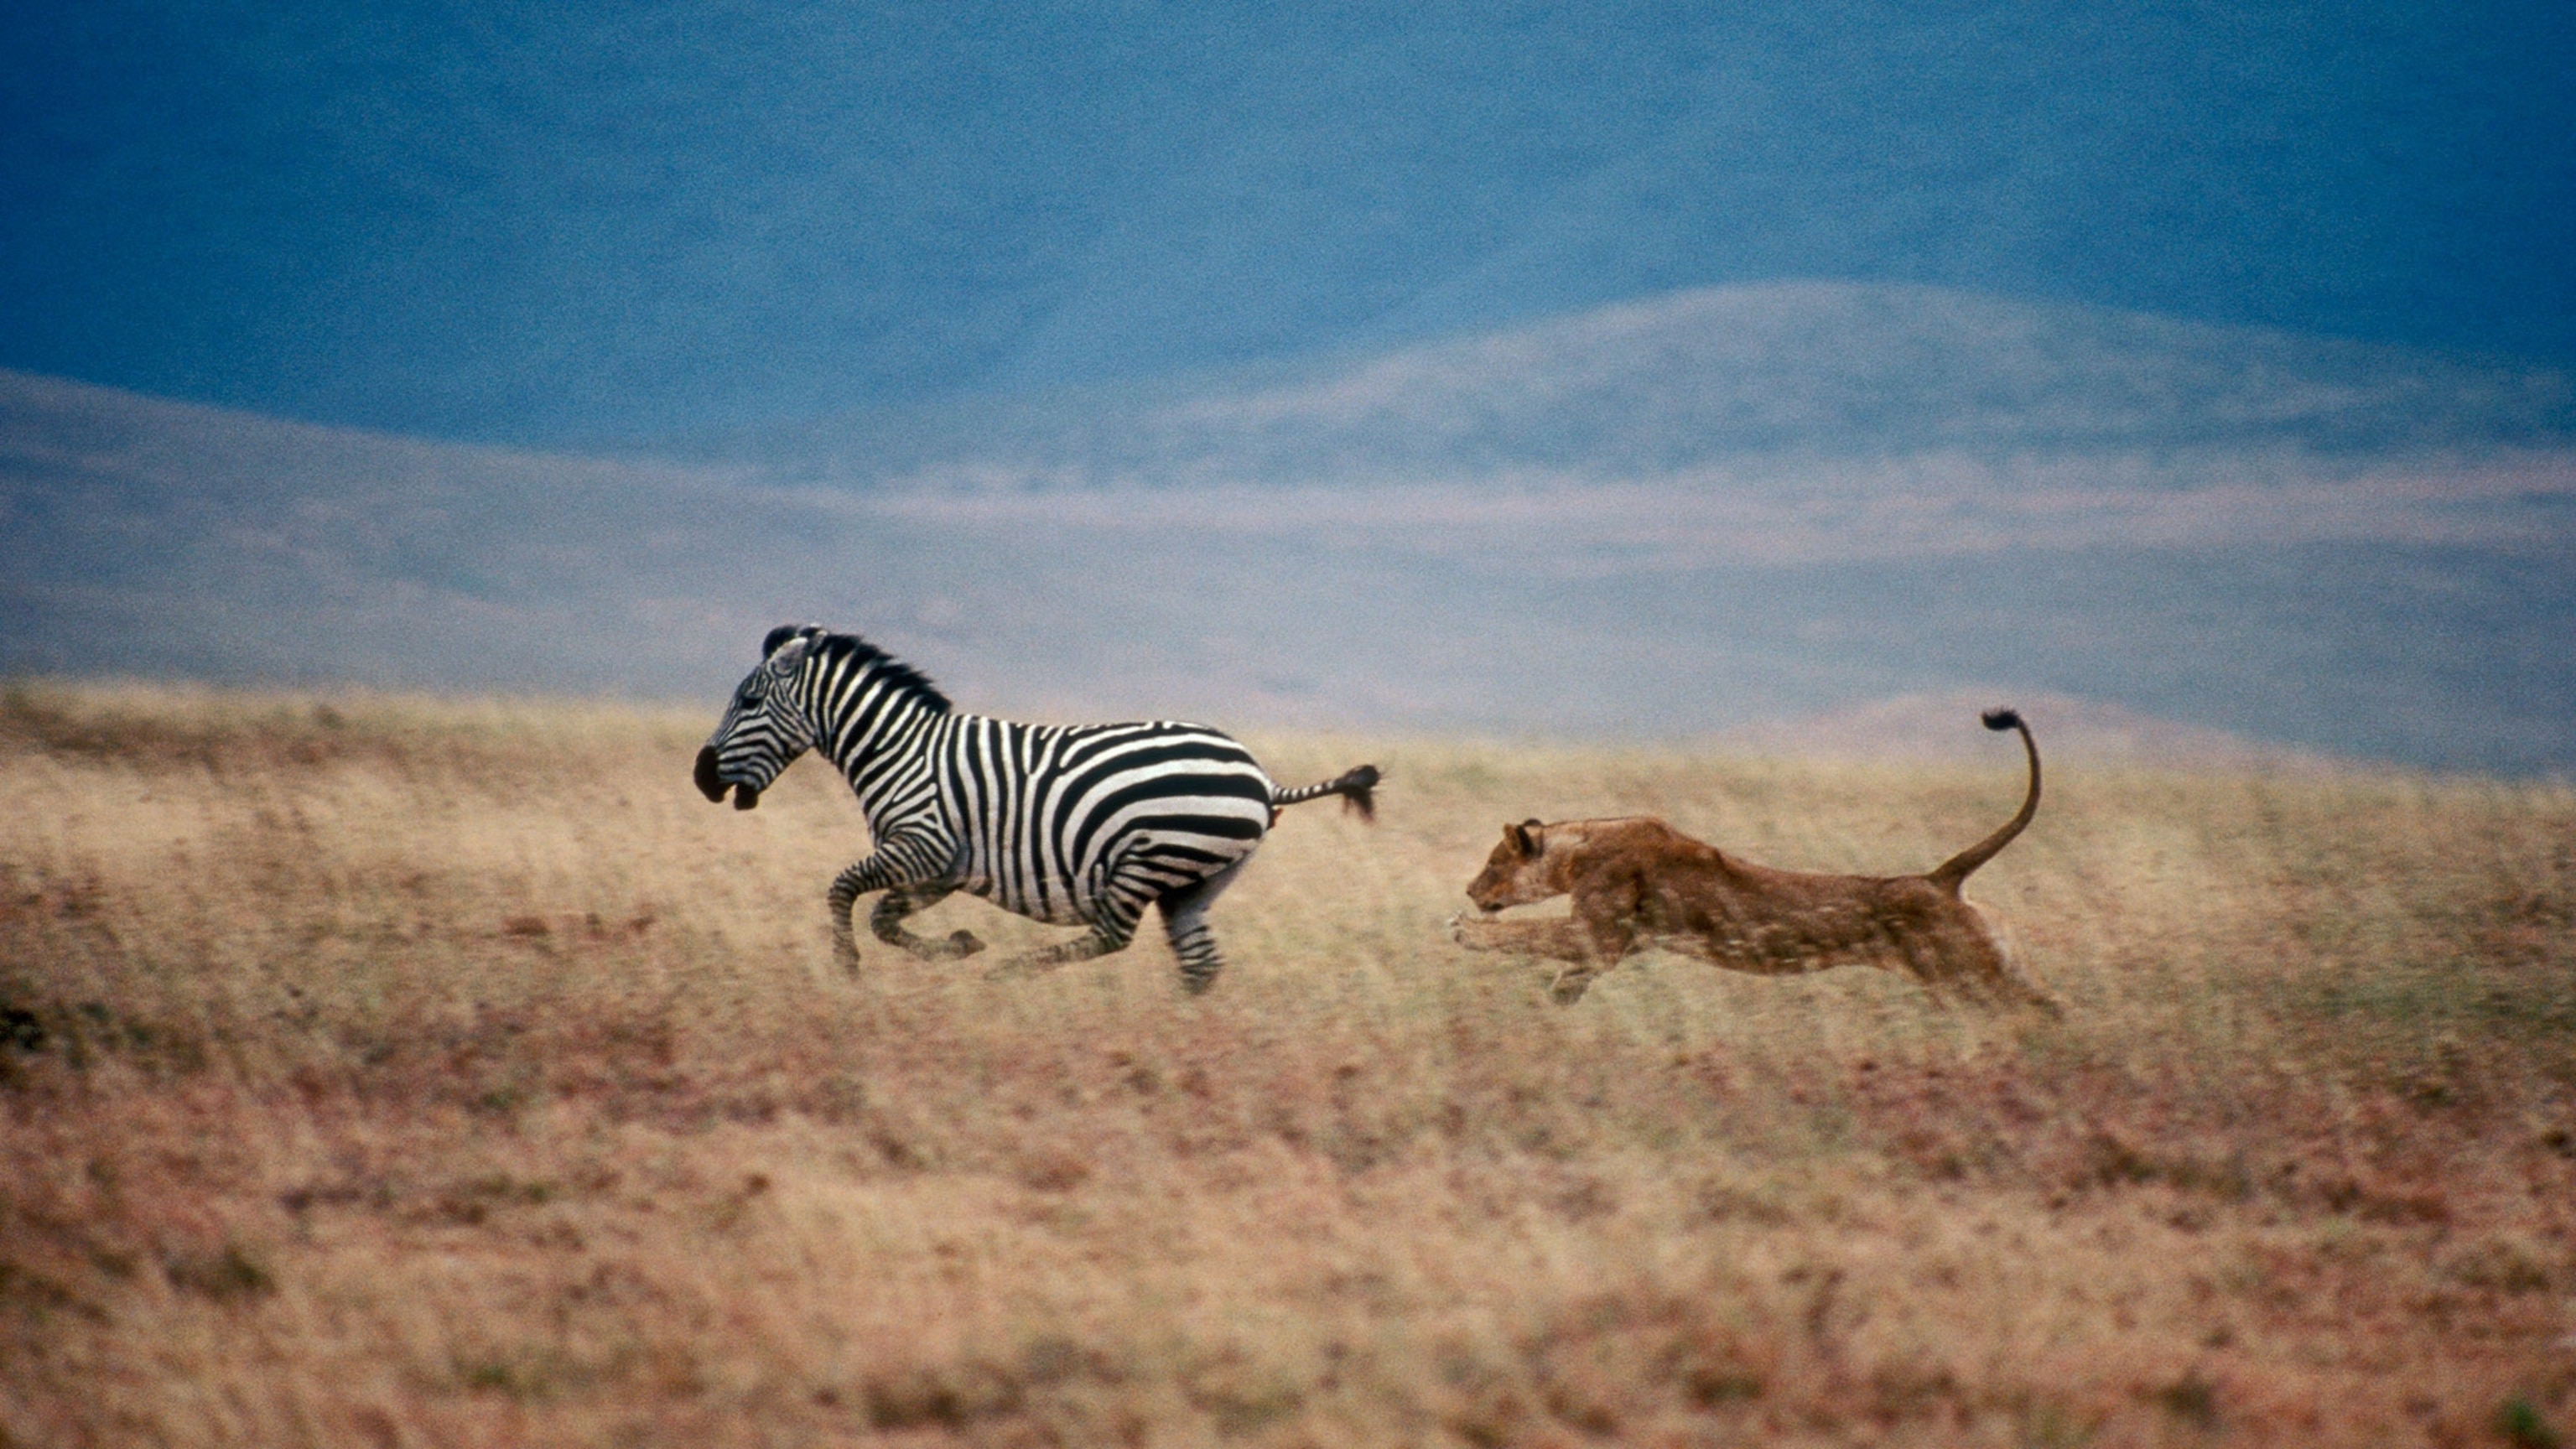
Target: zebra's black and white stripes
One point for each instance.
(1070, 824)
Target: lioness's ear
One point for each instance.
(1524, 836)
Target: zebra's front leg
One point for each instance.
(847, 887)
(863, 878)
(886, 920)
(915, 874)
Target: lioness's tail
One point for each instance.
(1951, 873)
(1354, 786)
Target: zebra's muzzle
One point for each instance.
(713, 785)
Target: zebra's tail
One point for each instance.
(1354, 786)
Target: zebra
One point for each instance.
(1067, 824)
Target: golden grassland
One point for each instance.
(403, 1072)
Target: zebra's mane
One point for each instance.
(902, 676)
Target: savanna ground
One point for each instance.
(398, 1072)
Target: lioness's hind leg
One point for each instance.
(1571, 983)
(1975, 962)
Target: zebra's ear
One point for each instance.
(782, 634)
(788, 656)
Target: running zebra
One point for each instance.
(1067, 824)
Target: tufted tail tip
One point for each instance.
(2002, 719)
(1358, 789)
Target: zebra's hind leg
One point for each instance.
(886, 920)
(1111, 930)
(1185, 925)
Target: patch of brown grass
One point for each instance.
(387, 1071)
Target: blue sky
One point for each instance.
(584, 225)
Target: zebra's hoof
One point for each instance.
(1198, 985)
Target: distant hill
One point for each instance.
(1944, 726)
(1696, 380)
(1695, 517)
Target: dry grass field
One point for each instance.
(397, 1072)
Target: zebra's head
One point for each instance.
(766, 727)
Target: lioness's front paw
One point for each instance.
(1476, 933)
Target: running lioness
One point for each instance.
(1638, 882)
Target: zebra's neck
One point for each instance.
(872, 719)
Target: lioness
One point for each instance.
(1638, 882)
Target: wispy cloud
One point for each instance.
(1939, 506)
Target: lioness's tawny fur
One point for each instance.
(1638, 882)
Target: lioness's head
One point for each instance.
(1517, 873)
